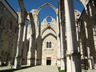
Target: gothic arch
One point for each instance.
(47, 4)
(49, 35)
(48, 28)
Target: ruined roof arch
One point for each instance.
(47, 4)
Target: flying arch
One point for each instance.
(47, 4)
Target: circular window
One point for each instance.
(49, 19)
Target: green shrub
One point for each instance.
(60, 70)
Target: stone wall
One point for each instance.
(48, 31)
(86, 32)
(8, 35)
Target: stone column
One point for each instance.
(1, 41)
(62, 33)
(89, 58)
(29, 52)
(90, 46)
(35, 16)
(77, 34)
(81, 50)
(10, 50)
(18, 57)
(94, 33)
(79, 39)
(72, 54)
(24, 55)
(62, 46)
(58, 40)
(22, 20)
(0, 63)
(39, 43)
(90, 10)
(83, 42)
(33, 39)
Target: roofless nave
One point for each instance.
(69, 41)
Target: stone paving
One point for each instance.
(40, 69)
(89, 70)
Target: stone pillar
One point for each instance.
(25, 49)
(58, 40)
(21, 21)
(77, 34)
(33, 50)
(89, 58)
(62, 47)
(94, 33)
(62, 33)
(90, 46)
(72, 54)
(0, 63)
(29, 52)
(1, 41)
(33, 40)
(39, 43)
(11, 48)
(83, 42)
(81, 50)
(14, 49)
(18, 57)
(90, 10)
(79, 39)
(35, 16)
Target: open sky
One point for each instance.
(46, 11)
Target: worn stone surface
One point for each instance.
(8, 33)
(40, 69)
(89, 70)
(49, 35)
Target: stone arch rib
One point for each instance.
(47, 4)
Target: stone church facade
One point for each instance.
(49, 42)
